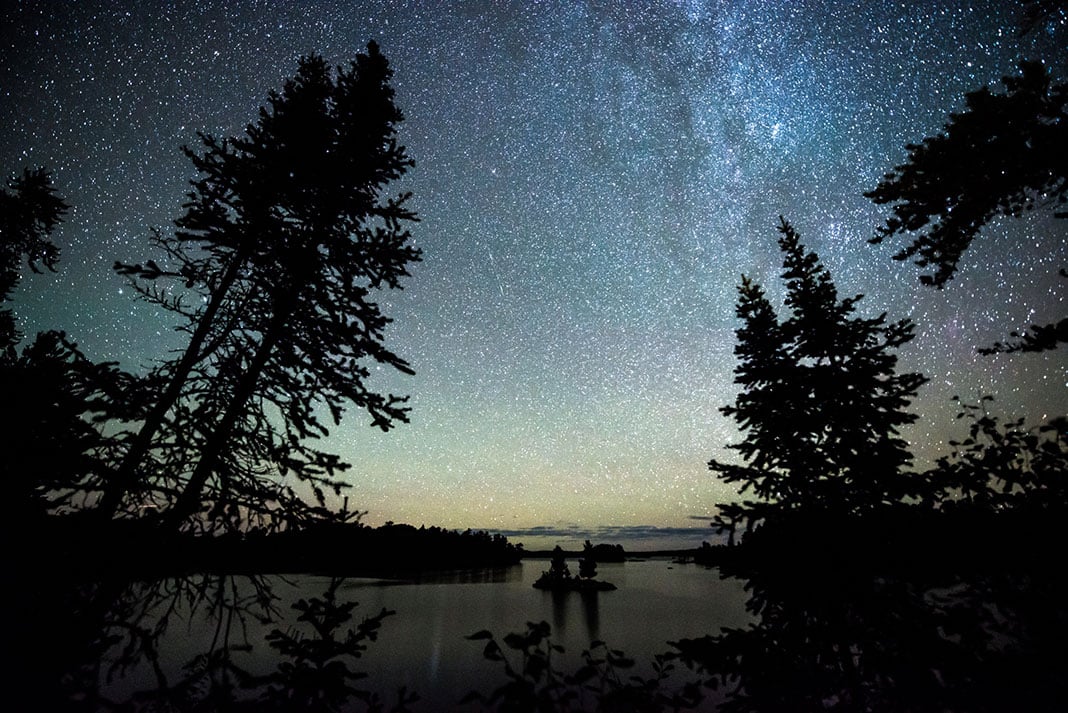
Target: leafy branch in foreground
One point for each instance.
(1001, 156)
(316, 673)
(1038, 338)
(601, 683)
(1004, 464)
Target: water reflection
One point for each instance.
(488, 575)
(201, 642)
(592, 613)
(847, 628)
(824, 631)
(219, 642)
(563, 618)
(89, 644)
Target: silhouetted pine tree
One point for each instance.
(56, 408)
(1001, 156)
(820, 404)
(558, 568)
(286, 235)
(55, 400)
(28, 215)
(588, 562)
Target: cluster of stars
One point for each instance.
(592, 180)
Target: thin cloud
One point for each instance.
(623, 534)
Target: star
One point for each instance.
(592, 181)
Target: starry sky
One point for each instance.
(593, 178)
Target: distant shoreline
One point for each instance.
(629, 555)
(138, 548)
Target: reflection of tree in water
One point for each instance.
(839, 627)
(850, 627)
(560, 601)
(103, 645)
(591, 610)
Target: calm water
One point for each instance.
(423, 647)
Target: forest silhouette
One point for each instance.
(873, 585)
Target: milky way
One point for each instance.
(593, 179)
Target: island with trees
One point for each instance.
(558, 577)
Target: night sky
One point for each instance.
(593, 178)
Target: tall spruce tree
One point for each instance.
(821, 405)
(286, 236)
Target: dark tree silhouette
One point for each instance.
(1001, 466)
(1037, 12)
(285, 236)
(588, 562)
(1038, 337)
(558, 568)
(866, 625)
(53, 396)
(29, 212)
(1001, 156)
(821, 403)
(56, 402)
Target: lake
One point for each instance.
(423, 647)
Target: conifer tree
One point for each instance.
(30, 210)
(820, 405)
(286, 235)
(588, 562)
(1004, 155)
(55, 400)
(558, 568)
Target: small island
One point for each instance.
(559, 579)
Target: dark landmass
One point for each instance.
(600, 553)
(697, 555)
(707, 555)
(138, 548)
(904, 609)
(906, 539)
(899, 539)
(573, 584)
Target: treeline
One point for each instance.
(142, 548)
(341, 548)
(602, 552)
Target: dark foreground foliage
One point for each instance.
(80, 636)
(910, 611)
(603, 682)
(906, 609)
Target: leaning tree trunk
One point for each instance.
(124, 478)
(189, 499)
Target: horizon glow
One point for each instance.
(592, 181)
